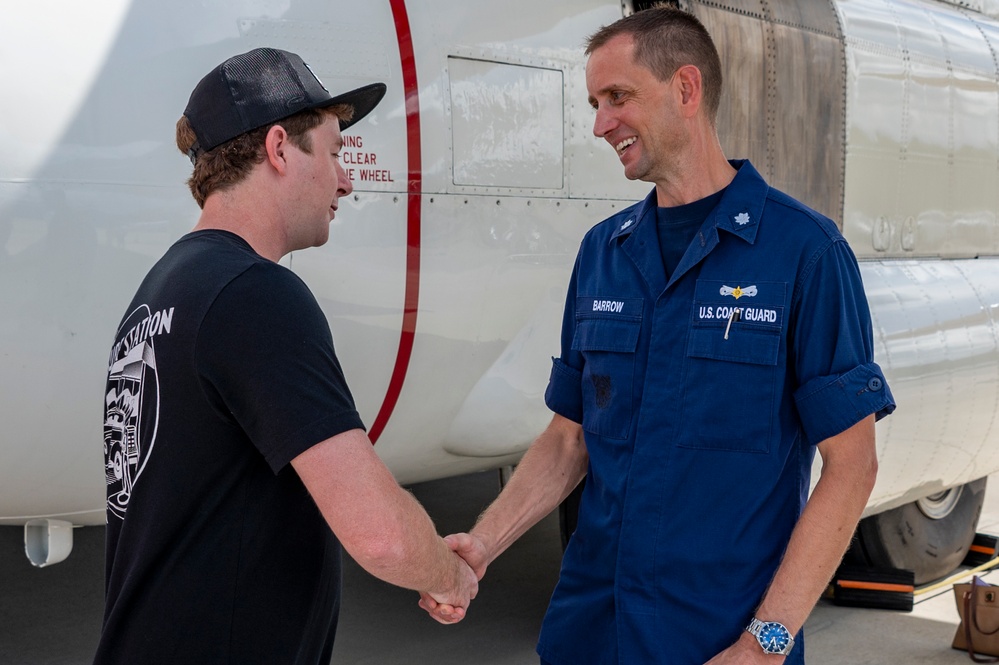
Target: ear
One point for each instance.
(276, 145)
(690, 89)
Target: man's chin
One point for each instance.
(633, 174)
(636, 171)
(323, 237)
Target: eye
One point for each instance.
(616, 96)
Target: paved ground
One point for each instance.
(52, 616)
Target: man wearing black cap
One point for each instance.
(236, 462)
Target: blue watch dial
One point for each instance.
(773, 637)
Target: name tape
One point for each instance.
(748, 314)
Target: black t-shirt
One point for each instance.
(678, 225)
(222, 372)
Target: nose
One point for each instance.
(603, 122)
(344, 185)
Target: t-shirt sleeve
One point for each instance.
(564, 395)
(266, 358)
(839, 384)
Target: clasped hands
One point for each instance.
(449, 610)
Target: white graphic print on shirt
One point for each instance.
(132, 403)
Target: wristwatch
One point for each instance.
(773, 637)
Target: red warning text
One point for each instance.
(357, 162)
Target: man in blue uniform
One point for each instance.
(715, 334)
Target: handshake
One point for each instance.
(470, 558)
(548, 472)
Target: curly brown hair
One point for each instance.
(228, 164)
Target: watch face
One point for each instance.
(773, 637)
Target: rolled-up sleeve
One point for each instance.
(829, 405)
(564, 395)
(838, 382)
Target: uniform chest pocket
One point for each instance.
(608, 346)
(731, 370)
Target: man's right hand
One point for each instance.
(450, 606)
(473, 553)
(471, 549)
(549, 470)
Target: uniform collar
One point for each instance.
(738, 212)
(741, 208)
(630, 223)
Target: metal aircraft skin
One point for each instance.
(474, 181)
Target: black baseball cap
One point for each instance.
(260, 87)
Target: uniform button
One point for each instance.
(875, 384)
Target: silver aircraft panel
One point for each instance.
(936, 335)
(923, 113)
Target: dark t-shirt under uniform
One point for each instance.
(677, 226)
(222, 371)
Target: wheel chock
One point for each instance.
(982, 550)
(879, 588)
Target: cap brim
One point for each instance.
(363, 100)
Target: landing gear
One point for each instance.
(930, 536)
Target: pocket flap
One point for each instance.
(744, 345)
(614, 335)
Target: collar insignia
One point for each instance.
(742, 218)
(627, 224)
(738, 291)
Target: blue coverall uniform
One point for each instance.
(702, 398)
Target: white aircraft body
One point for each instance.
(474, 180)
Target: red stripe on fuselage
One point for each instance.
(413, 218)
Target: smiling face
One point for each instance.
(636, 113)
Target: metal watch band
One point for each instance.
(756, 626)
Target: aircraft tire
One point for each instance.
(930, 537)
